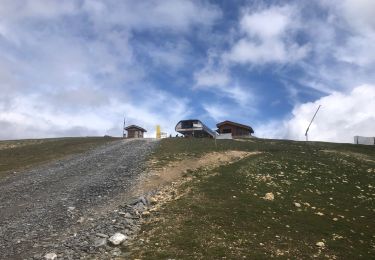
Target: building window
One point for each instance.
(226, 131)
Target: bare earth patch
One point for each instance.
(175, 170)
(244, 140)
(19, 143)
(358, 156)
(167, 179)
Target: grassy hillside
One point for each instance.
(16, 155)
(323, 206)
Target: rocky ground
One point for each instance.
(71, 208)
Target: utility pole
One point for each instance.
(123, 129)
(307, 130)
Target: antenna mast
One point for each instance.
(123, 129)
(307, 130)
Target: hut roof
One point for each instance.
(227, 122)
(135, 127)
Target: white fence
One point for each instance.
(364, 140)
(224, 136)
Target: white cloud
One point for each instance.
(172, 55)
(341, 117)
(268, 37)
(357, 50)
(243, 96)
(217, 79)
(269, 23)
(208, 77)
(355, 18)
(273, 51)
(35, 117)
(140, 15)
(19, 9)
(358, 13)
(30, 117)
(221, 85)
(217, 112)
(153, 111)
(69, 68)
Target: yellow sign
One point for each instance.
(158, 132)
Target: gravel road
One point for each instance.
(40, 207)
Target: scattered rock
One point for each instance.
(143, 200)
(139, 207)
(269, 196)
(116, 252)
(320, 244)
(298, 205)
(319, 214)
(145, 213)
(117, 239)
(153, 200)
(71, 208)
(128, 215)
(101, 235)
(50, 256)
(99, 242)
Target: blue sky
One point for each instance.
(75, 68)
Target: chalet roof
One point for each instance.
(227, 122)
(130, 127)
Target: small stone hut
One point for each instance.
(135, 131)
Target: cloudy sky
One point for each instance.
(76, 67)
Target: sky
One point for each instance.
(78, 67)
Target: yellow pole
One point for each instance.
(158, 132)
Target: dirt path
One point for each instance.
(39, 206)
(167, 179)
(175, 170)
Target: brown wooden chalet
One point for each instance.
(236, 129)
(135, 131)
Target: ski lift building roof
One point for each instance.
(194, 128)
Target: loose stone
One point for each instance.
(117, 239)
(99, 242)
(101, 235)
(50, 256)
(269, 196)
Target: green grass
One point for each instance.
(224, 215)
(17, 155)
